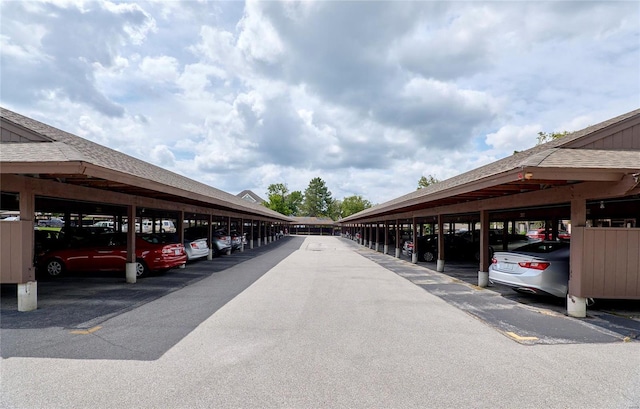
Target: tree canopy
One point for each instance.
(282, 201)
(426, 181)
(315, 202)
(544, 137)
(317, 199)
(352, 205)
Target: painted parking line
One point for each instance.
(86, 331)
(520, 338)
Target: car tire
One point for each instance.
(54, 268)
(429, 256)
(141, 269)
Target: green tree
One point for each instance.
(317, 199)
(335, 209)
(353, 204)
(294, 201)
(544, 137)
(283, 201)
(426, 181)
(277, 194)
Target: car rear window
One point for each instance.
(543, 247)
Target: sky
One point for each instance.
(368, 96)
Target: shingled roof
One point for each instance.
(564, 152)
(42, 144)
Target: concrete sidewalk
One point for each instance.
(328, 328)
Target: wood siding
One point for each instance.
(610, 263)
(626, 139)
(11, 260)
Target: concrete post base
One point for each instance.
(28, 296)
(377, 246)
(414, 258)
(130, 272)
(386, 249)
(440, 266)
(229, 252)
(483, 278)
(259, 242)
(210, 255)
(242, 248)
(397, 253)
(576, 306)
(251, 244)
(183, 266)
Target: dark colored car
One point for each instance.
(466, 245)
(108, 252)
(455, 247)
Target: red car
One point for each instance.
(108, 252)
(539, 234)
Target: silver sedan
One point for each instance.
(538, 268)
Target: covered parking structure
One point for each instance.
(322, 226)
(44, 169)
(590, 178)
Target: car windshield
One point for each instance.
(543, 247)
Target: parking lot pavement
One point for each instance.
(526, 318)
(324, 327)
(72, 310)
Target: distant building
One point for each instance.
(250, 197)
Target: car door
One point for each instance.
(79, 253)
(108, 253)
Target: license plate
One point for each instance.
(505, 266)
(177, 252)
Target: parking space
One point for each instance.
(82, 301)
(527, 318)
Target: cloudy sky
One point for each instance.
(369, 96)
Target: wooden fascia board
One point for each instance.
(537, 173)
(68, 168)
(49, 188)
(533, 173)
(132, 180)
(490, 181)
(564, 194)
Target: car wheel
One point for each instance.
(54, 268)
(141, 269)
(429, 256)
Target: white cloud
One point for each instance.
(258, 39)
(368, 96)
(163, 68)
(511, 137)
(161, 155)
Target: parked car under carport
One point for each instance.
(538, 268)
(108, 252)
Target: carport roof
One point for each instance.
(51, 153)
(559, 162)
(313, 221)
